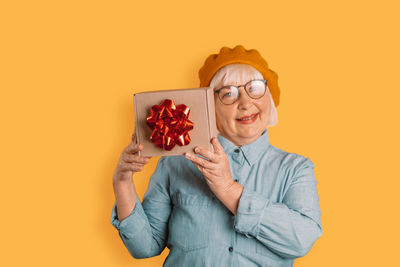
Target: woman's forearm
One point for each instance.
(125, 195)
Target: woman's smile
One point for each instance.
(247, 119)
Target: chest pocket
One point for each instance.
(189, 225)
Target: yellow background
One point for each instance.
(68, 72)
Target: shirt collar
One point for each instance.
(252, 151)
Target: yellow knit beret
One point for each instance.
(239, 54)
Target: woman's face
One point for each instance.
(230, 121)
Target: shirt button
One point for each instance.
(237, 150)
(230, 249)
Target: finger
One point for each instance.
(195, 159)
(217, 146)
(131, 167)
(198, 167)
(206, 153)
(134, 158)
(204, 171)
(133, 148)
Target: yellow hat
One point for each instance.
(239, 54)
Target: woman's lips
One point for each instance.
(248, 119)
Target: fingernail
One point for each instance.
(196, 150)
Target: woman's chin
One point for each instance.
(249, 133)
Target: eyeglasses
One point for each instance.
(230, 94)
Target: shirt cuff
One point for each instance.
(250, 210)
(132, 224)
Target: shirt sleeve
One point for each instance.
(145, 231)
(290, 228)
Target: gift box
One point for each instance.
(172, 122)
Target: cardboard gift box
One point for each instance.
(200, 115)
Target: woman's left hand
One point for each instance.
(216, 170)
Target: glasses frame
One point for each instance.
(245, 88)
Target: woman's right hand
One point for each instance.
(130, 162)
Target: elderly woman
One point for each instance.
(246, 203)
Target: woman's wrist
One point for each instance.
(123, 177)
(230, 197)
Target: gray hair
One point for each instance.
(242, 73)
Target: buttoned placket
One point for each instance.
(238, 160)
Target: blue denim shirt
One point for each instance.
(278, 217)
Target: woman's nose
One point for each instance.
(244, 100)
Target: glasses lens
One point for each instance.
(228, 95)
(256, 89)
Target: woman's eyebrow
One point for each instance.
(228, 85)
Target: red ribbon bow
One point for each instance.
(170, 124)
